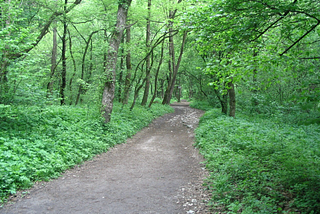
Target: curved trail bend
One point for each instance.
(156, 171)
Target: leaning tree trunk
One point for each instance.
(170, 88)
(110, 69)
(83, 66)
(156, 77)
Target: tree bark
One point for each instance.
(232, 99)
(136, 92)
(223, 99)
(63, 57)
(129, 68)
(175, 67)
(121, 73)
(83, 66)
(148, 68)
(110, 69)
(53, 61)
(74, 67)
(156, 77)
(224, 104)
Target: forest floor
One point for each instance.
(157, 171)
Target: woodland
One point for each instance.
(79, 76)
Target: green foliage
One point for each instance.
(259, 165)
(266, 48)
(203, 105)
(40, 143)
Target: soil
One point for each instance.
(157, 171)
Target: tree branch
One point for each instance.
(44, 30)
(304, 35)
(270, 26)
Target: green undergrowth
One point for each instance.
(202, 105)
(259, 165)
(39, 143)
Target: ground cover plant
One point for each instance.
(259, 165)
(203, 105)
(39, 143)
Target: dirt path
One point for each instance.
(156, 171)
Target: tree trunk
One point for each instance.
(110, 69)
(53, 61)
(91, 63)
(255, 100)
(137, 87)
(224, 104)
(169, 78)
(223, 99)
(121, 73)
(129, 68)
(74, 67)
(136, 92)
(179, 90)
(232, 99)
(81, 88)
(148, 68)
(4, 87)
(156, 77)
(167, 98)
(63, 57)
(162, 88)
(168, 93)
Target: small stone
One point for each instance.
(190, 212)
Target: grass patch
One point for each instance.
(40, 143)
(260, 166)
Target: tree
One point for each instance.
(110, 69)
(129, 68)
(238, 28)
(63, 56)
(174, 66)
(53, 60)
(156, 76)
(148, 68)
(20, 33)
